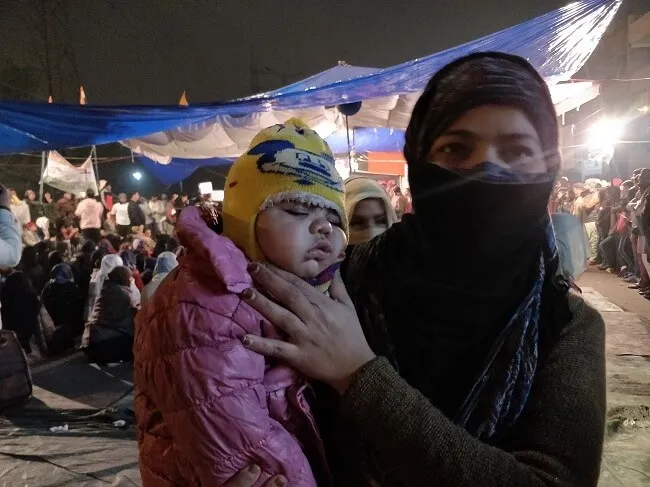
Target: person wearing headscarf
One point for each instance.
(108, 263)
(53, 258)
(497, 380)
(166, 263)
(369, 209)
(129, 259)
(104, 248)
(82, 267)
(30, 265)
(149, 266)
(108, 336)
(19, 306)
(63, 300)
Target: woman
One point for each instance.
(63, 300)
(498, 380)
(108, 263)
(368, 208)
(54, 258)
(30, 265)
(19, 305)
(129, 259)
(108, 336)
(166, 263)
(82, 267)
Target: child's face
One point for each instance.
(300, 239)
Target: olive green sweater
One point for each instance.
(556, 442)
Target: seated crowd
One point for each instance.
(82, 275)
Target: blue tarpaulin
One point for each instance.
(179, 169)
(557, 44)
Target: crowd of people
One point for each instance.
(85, 267)
(616, 219)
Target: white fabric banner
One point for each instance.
(62, 175)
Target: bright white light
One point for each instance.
(205, 187)
(342, 167)
(137, 175)
(325, 128)
(605, 132)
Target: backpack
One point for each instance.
(15, 377)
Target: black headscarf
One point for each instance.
(456, 276)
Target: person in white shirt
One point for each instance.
(19, 208)
(158, 207)
(11, 245)
(120, 213)
(90, 213)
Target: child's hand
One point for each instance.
(248, 476)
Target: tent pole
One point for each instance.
(93, 154)
(347, 133)
(40, 191)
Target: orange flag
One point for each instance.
(183, 101)
(82, 96)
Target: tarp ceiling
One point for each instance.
(557, 44)
(362, 139)
(226, 136)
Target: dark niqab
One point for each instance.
(471, 253)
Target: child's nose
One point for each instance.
(322, 226)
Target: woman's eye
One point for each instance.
(452, 152)
(381, 220)
(452, 148)
(297, 212)
(517, 152)
(358, 223)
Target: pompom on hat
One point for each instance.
(285, 162)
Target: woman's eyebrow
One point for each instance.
(518, 137)
(465, 134)
(512, 137)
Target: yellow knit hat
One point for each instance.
(285, 162)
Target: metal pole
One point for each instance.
(347, 133)
(93, 154)
(40, 192)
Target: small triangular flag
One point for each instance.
(183, 101)
(82, 96)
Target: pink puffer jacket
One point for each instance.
(207, 407)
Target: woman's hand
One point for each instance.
(326, 341)
(248, 476)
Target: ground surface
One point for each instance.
(626, 457)
(95, 452)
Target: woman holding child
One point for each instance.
(422, 377)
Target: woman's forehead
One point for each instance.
(493, 121)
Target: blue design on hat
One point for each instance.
(282, 157)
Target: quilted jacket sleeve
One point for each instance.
(209, 390)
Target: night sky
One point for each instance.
(136, 51)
